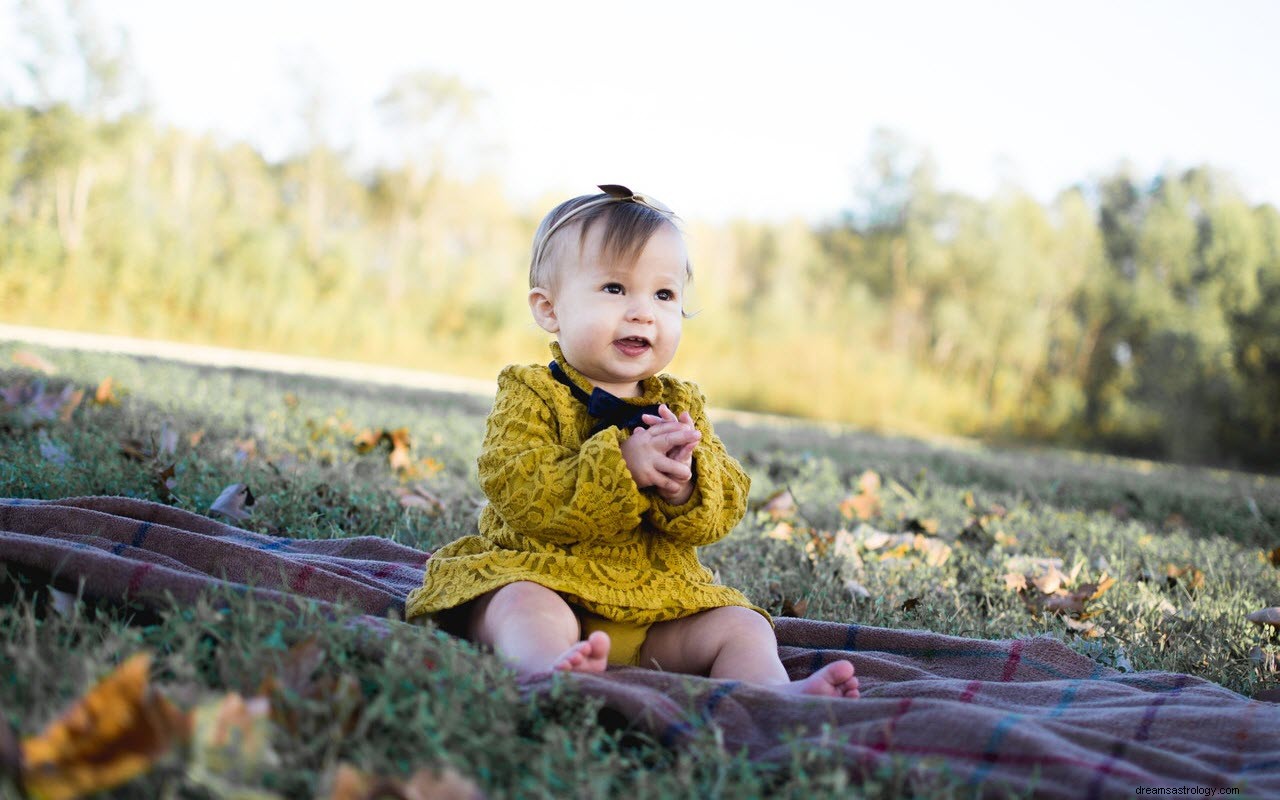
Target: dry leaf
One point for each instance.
(234, 503)
(1051, 580)
(1190, 577)
(29, 359)
(164, 483)
(794, 609)
(366, 440)
(70, 404)
(117, 731)
(856, 590)
(1015, 581)
(417, 496)
(860, 506)
(1274, 557)
(869, 482)
(909, 604)
(62, 603)
(105, 393)
(916, 525)
(1265, 616)
(400, 459)
(782, 531)
(444, 785)
(350, 783)
(779, 504)
(231, 745)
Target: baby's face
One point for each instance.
(619, 323)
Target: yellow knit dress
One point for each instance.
(564, 511)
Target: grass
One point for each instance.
(1188, 550)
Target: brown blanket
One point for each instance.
(1021, 715)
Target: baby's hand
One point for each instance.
(647, 453)
(666, 422)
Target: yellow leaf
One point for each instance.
(400, 458)
(105, 393)
(780, 504)
(117, 731)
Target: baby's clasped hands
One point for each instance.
(661, 455)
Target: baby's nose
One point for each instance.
(640, 309)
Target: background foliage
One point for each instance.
(1133, 313)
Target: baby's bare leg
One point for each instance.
(534, 630)
(737, 644)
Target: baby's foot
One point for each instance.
(834, 680)
(589, 655)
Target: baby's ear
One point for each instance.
(544, 310)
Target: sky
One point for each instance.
(762, 110)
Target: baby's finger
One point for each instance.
(673, 469)
(667, 413)
(685, 418)
(650, 419)
(679, 437)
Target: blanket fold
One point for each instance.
(1004, 716)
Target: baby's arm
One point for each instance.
(546, 490)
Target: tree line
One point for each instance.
(1135, 314)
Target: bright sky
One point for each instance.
(760, 109)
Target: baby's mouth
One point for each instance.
(632, 345)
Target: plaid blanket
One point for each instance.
(1027, 715)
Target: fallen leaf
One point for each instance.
(105, 393)
(869, 482)
(29, 359)
(1085, 628)
(62, 603)
(794, 609)
(164, 483)
(70, 404)
(1265, 616)
(782, 531)
(916, 525)
(366, 440)
(231, 745)
(234, 503)
(117, 731)
(779, 504)
(1190, 577)
(1015, 581)
(856, 590)
(909, 604)
(1051, 580)
(400, 459)
(417, 496)
(447, 784)
(1274, 557)
(860, 506)
(350, 783)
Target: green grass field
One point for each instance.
(1157, 568)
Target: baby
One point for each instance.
(604, 476)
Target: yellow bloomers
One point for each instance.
(564, 511)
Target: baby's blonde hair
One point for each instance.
(629, 223)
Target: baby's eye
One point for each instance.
(613, 288)
(666, 294)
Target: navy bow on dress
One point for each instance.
(611, 411)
